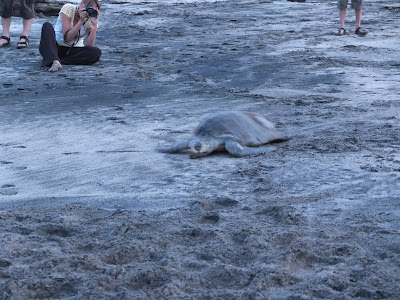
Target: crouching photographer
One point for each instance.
(71, 41)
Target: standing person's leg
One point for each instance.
(358, 17)
(357, 5)
(27, 13)
(342, 16)
(48, 48)
(342, 5)
(5, 38)
(5, 12)
(87, 55)
(24, 38)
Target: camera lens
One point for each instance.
(91, 11)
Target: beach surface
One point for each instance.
(90, 210)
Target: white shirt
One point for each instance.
(69, 10)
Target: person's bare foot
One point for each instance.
(55, 66)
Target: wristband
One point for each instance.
(95, 27)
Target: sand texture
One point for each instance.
(89, 209)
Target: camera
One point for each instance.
(91, 11)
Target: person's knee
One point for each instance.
(5, 13)
(27, 9)
(97, 52)
(342, 4)
(28, 13)
(95, 55)
(357, 4)
(47, 27)
(6, 9)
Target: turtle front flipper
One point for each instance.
(178, 147)
(237, 150)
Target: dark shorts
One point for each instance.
(356, 4)
(27, 9)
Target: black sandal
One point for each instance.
(341, 31)
(23, 44)
(361, 32)
(3, 37)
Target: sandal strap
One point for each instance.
(5, 38)
(24, 37)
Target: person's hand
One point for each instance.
(95, 20)
(83, 15)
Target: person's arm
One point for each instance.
(91, 38)
(68, 31)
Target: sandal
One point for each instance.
(341, 31)
(3, 37)
(23, 44)
(361, 32)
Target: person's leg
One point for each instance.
(87, 55)
(342, 16)
(48, 47)
(27, 14)
(26, 26)
(24, 38)
(342, 5)
(6, 23)
(357, 5)
(358, 17)
(5, 13)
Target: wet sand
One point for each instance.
(89, 209)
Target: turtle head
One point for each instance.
(200, 146)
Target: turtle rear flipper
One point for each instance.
(237, 150)
(178, 147)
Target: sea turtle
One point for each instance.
(233, 131)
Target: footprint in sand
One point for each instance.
(226, 202)
(117, 120)
(71, 153)
(8, 190)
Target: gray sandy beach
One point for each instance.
(89, 209)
